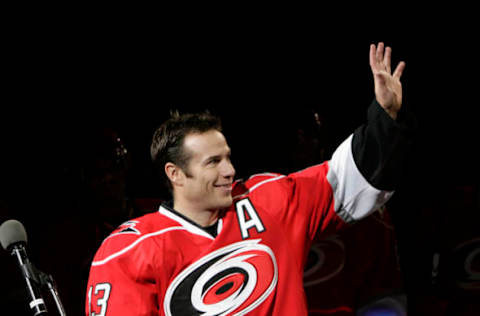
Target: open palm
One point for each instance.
(388, 88)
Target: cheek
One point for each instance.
(202, 185)
(202, 182)
(209, 179)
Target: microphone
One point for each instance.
(13, 238)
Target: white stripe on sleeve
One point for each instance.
(354, 197)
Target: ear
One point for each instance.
(174, 173)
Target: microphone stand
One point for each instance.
(45, 280)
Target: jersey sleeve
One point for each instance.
(319, 200)
(357, 180)
(122, 281)
(382, 147)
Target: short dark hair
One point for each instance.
(168, 139)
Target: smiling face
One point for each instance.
(206, 184)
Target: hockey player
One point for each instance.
(225, 247)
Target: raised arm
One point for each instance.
(367, 167)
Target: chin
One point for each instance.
(226, 203)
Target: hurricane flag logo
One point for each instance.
(233, 280)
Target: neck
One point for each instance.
(202, 217)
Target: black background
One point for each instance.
(260, 74)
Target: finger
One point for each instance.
(399, 70)
(373, 61)
(380, 52)
(387, 59)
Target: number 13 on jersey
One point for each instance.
(102, 290)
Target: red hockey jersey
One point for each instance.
(164, 264)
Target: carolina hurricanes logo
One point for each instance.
(465, 264)
(232, 280)
(326, 259)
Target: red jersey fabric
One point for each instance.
(164, 264)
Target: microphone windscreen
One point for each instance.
(11, 232)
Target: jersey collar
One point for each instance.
(210, 232)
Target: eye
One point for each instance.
(213, 161)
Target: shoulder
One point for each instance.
(277, 181)
(139, 226)
(243, 187)
(133, 235)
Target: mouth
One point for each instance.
(226, 186)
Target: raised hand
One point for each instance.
(388, 88)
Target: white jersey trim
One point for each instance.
(220, 226)
(269, 174)
(354, 197)
(135, 243)
(185, 224)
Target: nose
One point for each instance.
(228, 171)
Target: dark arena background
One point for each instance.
(80, 105)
